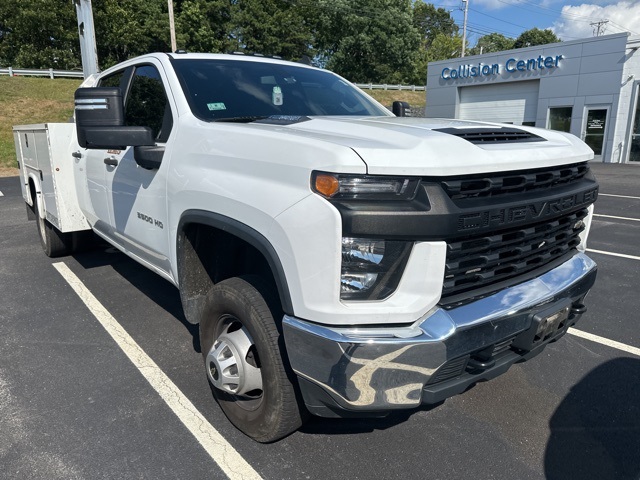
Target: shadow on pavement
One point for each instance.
(158, 290)
(595, 432)
(348, 426)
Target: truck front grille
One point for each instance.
(473, 186)
(480, 261)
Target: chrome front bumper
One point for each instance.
(352, 370)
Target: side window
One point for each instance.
(112, 80)
(147, 105)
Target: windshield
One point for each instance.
(235, 89)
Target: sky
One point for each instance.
(568, 20)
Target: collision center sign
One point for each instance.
(511, 65)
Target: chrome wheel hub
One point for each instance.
(229, 362)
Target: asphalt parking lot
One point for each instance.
(74, 405)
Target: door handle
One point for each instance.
(76, 155)
(111, 161)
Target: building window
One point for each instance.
(528, 124)
(634, 154)
(560, 118)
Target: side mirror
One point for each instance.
(401, 109)
(100, 121)
(116, 138)
(148, 157)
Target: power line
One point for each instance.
(563, 13)
(496, 18)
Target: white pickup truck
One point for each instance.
(339, 259)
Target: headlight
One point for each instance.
(371, 269)
(364, 187)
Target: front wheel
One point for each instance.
(245, 360)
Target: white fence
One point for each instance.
(384, 86)
(51, 73)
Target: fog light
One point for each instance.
(371, 268)
(362, 251)
(357, 282)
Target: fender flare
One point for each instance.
(252, 237)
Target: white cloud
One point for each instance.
(575, 21)
(492, 4)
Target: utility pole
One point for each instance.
(172, 27)
(464, 26)
(86, 30)
(599, 27)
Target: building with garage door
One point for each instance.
(588, 87)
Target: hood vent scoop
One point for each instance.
(485, 136)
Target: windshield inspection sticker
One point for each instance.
(276, 96)
(216, 106)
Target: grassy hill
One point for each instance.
(387, 97)
(25, 100)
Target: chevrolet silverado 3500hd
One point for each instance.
(339, 260)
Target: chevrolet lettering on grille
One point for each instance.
(524, 213)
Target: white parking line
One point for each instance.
(605, 341)
(618, 196)
(221, 451)
(622, 255)
(617, 218)
(1, 194)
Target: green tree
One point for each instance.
(204, 25)
(271, 27)
(368, 40)
(39, 34)
(442, 47)
(127, 28)
(535, 36)
(431, 21)
(440, 38)
(494, 42)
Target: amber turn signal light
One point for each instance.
(327, 185)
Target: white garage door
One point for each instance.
(515, 102)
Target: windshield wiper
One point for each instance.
(245, 119)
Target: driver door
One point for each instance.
(136, 196)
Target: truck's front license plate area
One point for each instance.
(547, 326)
(544, 325)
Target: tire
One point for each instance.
(245, 361)
(53, 241)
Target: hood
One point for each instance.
(415, 146)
